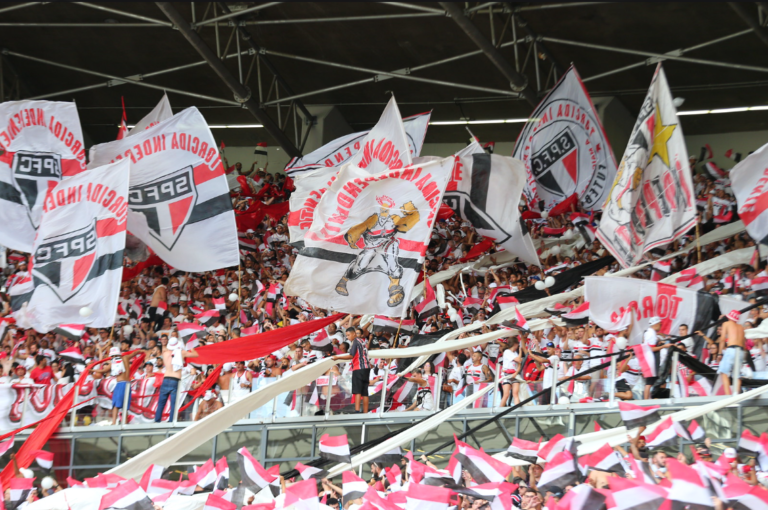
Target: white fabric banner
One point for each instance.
(337, 152)
(651, 202)
(749, 182)
(609, 299)
(41, 142)
(360, 230)
(385, 147)
(158, 114)
(565, 149)
(78, 252)
(179, 198)
(485, 190)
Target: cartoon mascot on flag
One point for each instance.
(375, 237)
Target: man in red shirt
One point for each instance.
(42, 373)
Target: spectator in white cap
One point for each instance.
(209, 405)
(732, 334)
(651, 338)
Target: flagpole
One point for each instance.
(397, 335)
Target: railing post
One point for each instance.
(384, 390)
(195, 408)
(612, 381)
(496, 392)
(274, 402)
(673, 375)
(177, 403)
(124, 420)
(553, 388)
(74, 404)
(438, 390)
(328, 397)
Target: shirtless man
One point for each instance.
(173, 361)
(160, 296)
(119, 368)
(733, 333)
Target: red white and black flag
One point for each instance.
(41, 143)
(651, 202)
(19, 489)
(638, 416)
(368, 238)
(352, 486)
(334, 448)
(252, 472)
(78, 252)
(73, 332)
(428, 306)
(524, 450)
(337, 152)
(749, 181)
(483, 190)
(128, 495)
(565, 150)
(611, 300)
(308, 472)
(179, 194)
(560, 472)
(383, 324)
(635, 495)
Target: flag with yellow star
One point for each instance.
(651, 202)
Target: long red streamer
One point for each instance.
(200, 391)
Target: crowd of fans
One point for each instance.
(158, 299)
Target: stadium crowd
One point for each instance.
(162, 309)
(157, 303)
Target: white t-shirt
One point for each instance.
(632, 374)
(508, 361)
(650, 337)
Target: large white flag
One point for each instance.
(749, 181)
(158, 114)
(40, 143)
(564, 148)
(338, 152)
(368, 238)
(651, 202)
(77, 256)
(611, 299)
(485, 189)
(387, 146)
(179, 200)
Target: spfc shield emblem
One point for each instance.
(547, 164)
(166, 203)
(64, 262)
(34, 173)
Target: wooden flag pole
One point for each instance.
(397, 335)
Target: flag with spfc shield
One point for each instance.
(179, 203)
(40, 143)
(77, 257)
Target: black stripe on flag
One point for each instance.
(642, 421)
(19, 300)
(210, 208)
(335, 458)
(346, 258)
(476, 474)
(106, 263)
(9, 193)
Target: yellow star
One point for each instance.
(661, 134)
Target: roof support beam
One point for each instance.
(133, 80)
(242, 94)
(658, 57)
(229, 14)
(126, 14)
(750, 20)
(19, 6)
(247, 37)
(517, 81)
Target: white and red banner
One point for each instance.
(335, 448)
(651, 202)
(78, 252)
(749, 182)
(337, 152)
(385, 147)
(179, 196)
(484, 189)
(41, 143)
(565, 149)
(368, 238)
(610, 298)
